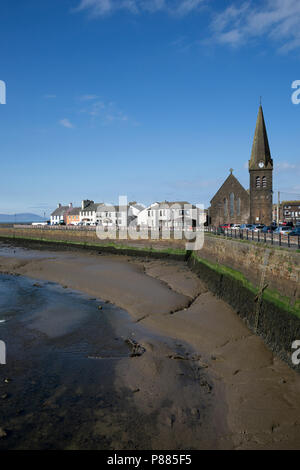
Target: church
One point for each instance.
(233, 204)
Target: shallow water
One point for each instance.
(70, 381)
(11, 251)
(61, 356)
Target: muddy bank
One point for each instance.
(278, 327)
(81, 374)
(139, 248)
(255, 395)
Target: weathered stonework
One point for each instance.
(231, 204)
(282, 268)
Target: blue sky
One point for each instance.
(155, 99)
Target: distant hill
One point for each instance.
(20, 218)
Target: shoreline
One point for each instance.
(255, 393)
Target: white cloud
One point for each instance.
(286, 166)
(66, 123)
(105, 7)
(277, 20)
(88, 97)
(106, 113)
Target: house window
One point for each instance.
(231, 198)
(264, 182)
(257, 182)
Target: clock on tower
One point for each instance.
(261, 175)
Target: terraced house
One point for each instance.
(289, 211)
(59, 216)
(166, 214)
(73, 217)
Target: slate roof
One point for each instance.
(75, 211)
(59, 211)
(92, 207)
(260, 148)
(235, 181)
(167, 204)
(137, 206)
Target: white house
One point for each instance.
(59, 215)
(117, 216)
(166, 214)
(88, 211)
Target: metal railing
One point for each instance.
(276, 239)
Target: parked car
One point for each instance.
(236, 226)
(246, 227)
(268, 229)
(284, 230)
(220, 230)
(258, 227)
(287, 224)
(295, 232)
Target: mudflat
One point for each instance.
(204, 381)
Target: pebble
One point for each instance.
(3, 433)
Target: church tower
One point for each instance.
(261, 175)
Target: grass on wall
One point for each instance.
(269, 295)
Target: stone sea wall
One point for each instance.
(276, 267)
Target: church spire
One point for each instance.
(260, 155)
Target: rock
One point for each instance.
(178, 357)
(202, 365)
(3, 433)
(6, 380)
(4, 396)
(136, 348)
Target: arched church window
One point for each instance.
(264, 182)
(225, 207)
(231, 198)
(238, 207)
(257, 182)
